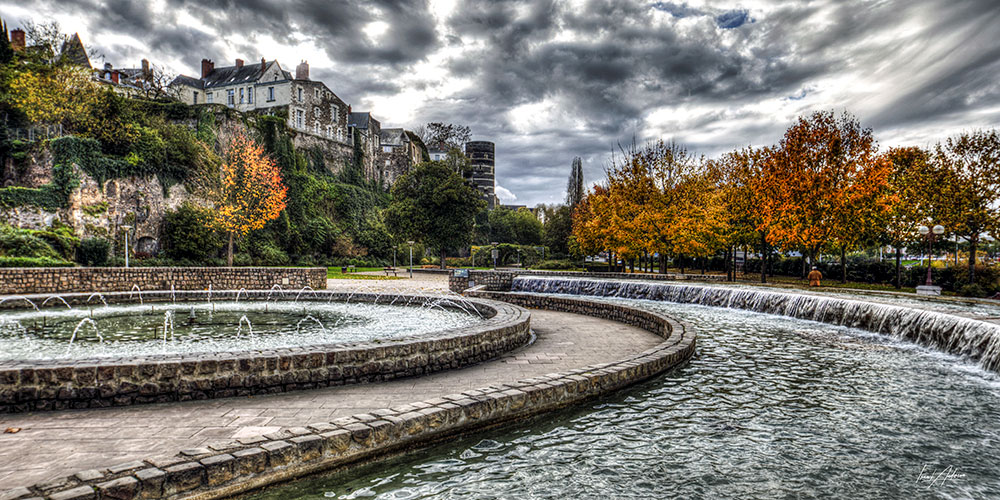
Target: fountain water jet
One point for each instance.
(79, 325)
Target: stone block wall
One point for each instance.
(30, 280)
(501, 280)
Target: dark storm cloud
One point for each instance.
(337, 26)
(550, 80)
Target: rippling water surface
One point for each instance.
(160, 328)
(770, 407)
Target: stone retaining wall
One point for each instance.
(501, 280)
(243, 465)
(103, 382)
(26, 280)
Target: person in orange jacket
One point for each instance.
(814, 277)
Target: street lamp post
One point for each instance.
(494, 253)
(928, 287)
(126, 228)
(410, 243)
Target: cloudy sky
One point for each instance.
(550, 80)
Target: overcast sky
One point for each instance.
(550, 80)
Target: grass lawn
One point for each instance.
(334, 273)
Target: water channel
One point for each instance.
(770, 407)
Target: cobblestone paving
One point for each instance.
(51, 445)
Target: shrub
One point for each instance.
(34, 262)
(973, 290)
(188, 235)
(24, 243)
(555, 264)
(93, 252)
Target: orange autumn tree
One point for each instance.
(811, 184)
(251, 192)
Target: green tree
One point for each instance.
(6, 52)
(433, 204)
(188, 234)
(574, 188)
(520, 227)
(964, 187)
(557, 229)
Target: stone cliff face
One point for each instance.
(99, 211)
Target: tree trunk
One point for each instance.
(704, 264)
(610, 258)
(729, 262)
(806, 260)
(229, 251)
(973, 245)
(899, 259)
(663, 263)
(843, 264)
(763, 258)
(444, 257)
(631, 265)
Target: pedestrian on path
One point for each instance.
(814, 277)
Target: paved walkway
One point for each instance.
(52, 445)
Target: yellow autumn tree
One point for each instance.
(62, 94)
(251, 191)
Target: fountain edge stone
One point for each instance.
(29, 385)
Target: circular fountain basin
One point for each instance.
(198, 327)
(124, 348)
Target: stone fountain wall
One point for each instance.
(29, 385)
(977, 341)
(115, 279)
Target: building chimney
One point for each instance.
(302, 71)
(239, 63)
(17, 39)
(263, 65)
(147, 74)
(348, 109)
(206, 67)
(114, 76)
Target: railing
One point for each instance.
(36, 133)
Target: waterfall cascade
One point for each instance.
(969, 338)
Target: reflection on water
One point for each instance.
(202, 327)
(770, 407)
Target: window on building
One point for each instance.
(316, 111)
(387, 149)
(250, 95)
(242, 99)
(196, 97)
(334, 113)
(231, 97)
(316, 93)
(270, 94)
(387, 163)
(300, 94)
(316, 128)
(209, 97)
(300, 118)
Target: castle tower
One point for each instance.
(481, 156)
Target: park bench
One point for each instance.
(388, 270)
(348, 269)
